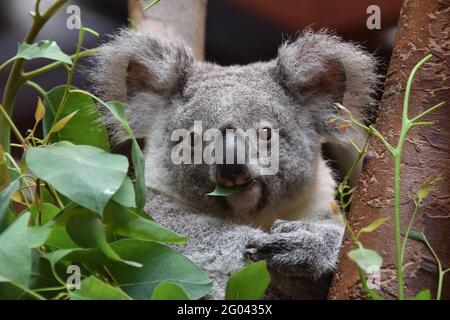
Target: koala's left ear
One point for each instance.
(319, 69)
(142, 71)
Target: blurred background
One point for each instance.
(237, 32)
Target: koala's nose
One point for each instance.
(230, 175)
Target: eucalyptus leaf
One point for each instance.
(5, 198)
(137, 157)
(42, 49)
(221, 191)
(87, 175)
(15, 253)
(125, 222)
(38, 235)
(169, 291)
(8, 219)
(42, 275)
(93, 288)
(4, 171)
(160, 264)
(48, 212)
(125, 195)
(374, 225)
(423, 295)
(62, 123)
(87, 231)
(58, 237)
(417, 236)
(84, 128)
(249, 283)
(39, 113)
(365, 258)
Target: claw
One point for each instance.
(249, 253)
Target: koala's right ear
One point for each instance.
(141, 71)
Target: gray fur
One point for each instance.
(166, 89)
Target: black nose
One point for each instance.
(230, 175)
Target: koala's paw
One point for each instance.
(298, 248)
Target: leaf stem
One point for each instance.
(13, 127)
(405, 239)
(4, 64)
(52, 66)
(70, 72)
(397, 157)
(16, 79)
(36, 87)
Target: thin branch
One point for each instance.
(55, 65)
(423, 114)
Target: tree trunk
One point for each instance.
(423, 28)
(183, 19)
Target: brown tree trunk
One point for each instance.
(183, 19)
(423, 28)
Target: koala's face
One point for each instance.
(246, 99)
(287, 102)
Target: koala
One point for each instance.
(286, 218)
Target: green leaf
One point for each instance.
(365, 258)
(87, 175)
(94, 289)
(48, 212)
(4, 172)
(221, 191)
(426, 188)
(42, 49)
(85, 229)
(125, 222)
(38, 235)
(125, 195)
(423, 295)
(160, 264)
(373, 226)
(88, 232)
(249, 283)
(15, 253)
(169, 291)
(42, 275)
(84, 128)
(137, 157)
(58, 237)
(62, 123)
(5, 198)
(39, 113)
(417, 236)
(8, 219)
(117, 110)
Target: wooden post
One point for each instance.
(423, 28)
(183, 19)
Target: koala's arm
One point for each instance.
(217, 246)
(303, 250)
(301, 256)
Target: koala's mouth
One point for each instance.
(247, 200)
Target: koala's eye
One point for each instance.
(265, 134)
